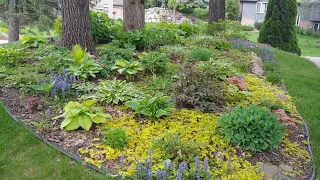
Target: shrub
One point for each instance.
(258, 25)
(57, 26)
(201, 54)
(195, 90)
(243, 45)
(4, 30)
(10, 56)
(109, 54)
(81, 65)
(219, 69)
(82, 115)
(279, 29)
(240, 60)
(201, 13)
(154, 107)
(212, 43)
(265, 52)
(176, 147)
(274, 77)
(116, 138)
(227, 29)
(33, 41)
(154, 62)
(233, 9)
(247, 28)
(129, 68)
(117, 91)
(252, 128)
(103, 28)
(188, 28)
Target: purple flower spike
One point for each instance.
(197, 171)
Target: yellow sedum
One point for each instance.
(191, 125)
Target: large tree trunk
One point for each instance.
(14, 24)
(76, 25)
(133, 14)
(217, 10)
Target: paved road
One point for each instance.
(316, 60)
(3, 41)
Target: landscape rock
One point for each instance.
(269, 171)
(281, 176)
(286, 168)
(256, 66)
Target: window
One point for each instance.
(262, 7)
(316, 26)
(106, 9)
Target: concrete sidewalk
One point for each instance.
(316, 60)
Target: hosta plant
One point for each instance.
(34, 41)
(117, 91)
(82, 115)
(82, 66)
(252, 128)
(129, 68)
(154, 107)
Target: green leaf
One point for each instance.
(146, 112)
(37, 87)
(89, 102)
(85, 122)
(99, 119)
(65, 122)
(73, 125)
(132, 104)
(160, 113)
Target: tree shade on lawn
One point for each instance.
(302, 79)
(23, 156)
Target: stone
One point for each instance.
(286, 168)
(256, 66)
(269, 171)
(92, 56)
(281, 176)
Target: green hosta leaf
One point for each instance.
(73, 125)
(85, 122)
(131, 71)
(99, 119)
(37, 87)
(160, 113)
(132, 104)
(165, 99)
(65, 122)
(146, 112)
(121, 70)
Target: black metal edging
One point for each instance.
(73, 157)
(314, 171)
(105, 172)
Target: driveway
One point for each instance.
(316, 60)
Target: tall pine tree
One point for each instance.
(279, 27)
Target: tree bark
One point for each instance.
(76, 27)
(14, 25)
(133, 14)
(217, 10)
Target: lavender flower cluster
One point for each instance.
(266, 53)
(62, 82)
(242, 44)
(144, 170)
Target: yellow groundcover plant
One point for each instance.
(191, 125)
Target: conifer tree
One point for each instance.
(279, 28)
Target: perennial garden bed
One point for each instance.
(206, 116)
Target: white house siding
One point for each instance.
(114, 8)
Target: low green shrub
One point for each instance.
(10, 56)
(116, 138)
(247, 28)
(188, 28)
(240, 60)
(201, 54)
(227, 29)
(175, 147)
(219, 69)
(274, 76)
(258, 25)
(201, 13)
(154, 107)
(82, 115)
(4, 30)
(32, 41)
(252, 128)
(128, 68)
(154, 62)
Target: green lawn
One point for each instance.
(306, 43)
(23, 156)
(302, 79)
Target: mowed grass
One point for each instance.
(23, 156)
(308, 44)
(302, 79)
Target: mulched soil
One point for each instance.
(71, 141)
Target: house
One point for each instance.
(114, 8)
(253, 11)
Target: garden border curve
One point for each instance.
(105, 172)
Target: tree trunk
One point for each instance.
(217, 10)
(76, 25)
(14, 25)
(133, 14)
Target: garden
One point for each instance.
(170, 101)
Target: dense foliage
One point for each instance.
(252, 128)
(279, 27)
